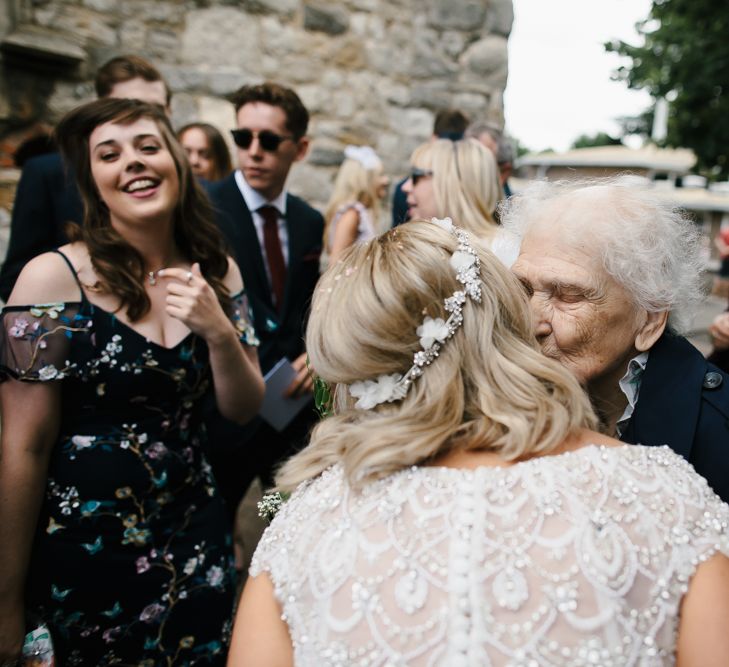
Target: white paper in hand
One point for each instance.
(277, 410)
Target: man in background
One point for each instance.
(500, 145)
(47, 198)
(276, 239)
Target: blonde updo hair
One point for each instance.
(465, 181)
(489, 389)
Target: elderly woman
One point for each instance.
(456, 509)
(459, 179)
(112, 530)
(614, 274)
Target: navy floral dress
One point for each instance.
(132, 559)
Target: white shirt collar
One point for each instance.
(630, 386)
(254, 199)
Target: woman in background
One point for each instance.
(460, 179)
(206, 151)
(352, 214)
(457, 508)
(108, 348)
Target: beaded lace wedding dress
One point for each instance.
(568, 560)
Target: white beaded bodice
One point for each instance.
(571, 560)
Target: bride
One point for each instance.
(458, 509)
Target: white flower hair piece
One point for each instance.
(433, 332)
(365, 155)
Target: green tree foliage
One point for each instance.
(599, 139)
(685, 58)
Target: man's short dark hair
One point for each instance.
(276, 95)
(126, 68)
(450, 124)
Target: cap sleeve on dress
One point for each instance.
(242, 318)
(35, 340)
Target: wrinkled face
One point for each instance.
(152, 92)
(266, 170)
(420, 192)
(134, 171)
(582, 316)
(197, 150)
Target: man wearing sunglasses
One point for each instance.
(276, 240)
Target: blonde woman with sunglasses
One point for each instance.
(459, 179)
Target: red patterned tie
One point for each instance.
(274, 254)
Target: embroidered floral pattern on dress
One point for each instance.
(573, 560)
(133, 541)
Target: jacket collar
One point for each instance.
(668, 407)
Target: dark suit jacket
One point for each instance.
(47, 198)
(684, 403)
(238, 454)
(399, 204)
(281, 334)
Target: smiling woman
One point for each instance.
(143, 316)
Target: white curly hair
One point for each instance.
(652, 248)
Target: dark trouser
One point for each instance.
(238, 455)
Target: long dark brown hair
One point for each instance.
(219, 154)
(119, 266)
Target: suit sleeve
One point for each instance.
(31, 226)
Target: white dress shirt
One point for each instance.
(254, 200)
(630, 386)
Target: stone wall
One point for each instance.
(370, 71)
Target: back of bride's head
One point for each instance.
(488, 386)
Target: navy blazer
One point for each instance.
(46, 200)
(684, 403)
(399, 204)
(281, 333)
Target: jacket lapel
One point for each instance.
(247, 246)
(669, 402)
(297, 247)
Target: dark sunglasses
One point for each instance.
(416, 174)
(269, 141)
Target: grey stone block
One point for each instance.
(326, 18)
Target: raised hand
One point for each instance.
(193, 301)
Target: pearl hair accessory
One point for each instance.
(365, 155)
(433, 332)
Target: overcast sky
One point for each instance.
(559, 83)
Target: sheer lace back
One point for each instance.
(570, 560)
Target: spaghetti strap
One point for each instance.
(73, 271)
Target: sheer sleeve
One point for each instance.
(35, 341)
(242, 318)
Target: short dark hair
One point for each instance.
(276, 95)
(216, 145)
(450, 124)
(126, 68)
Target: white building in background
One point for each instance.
(667, 169)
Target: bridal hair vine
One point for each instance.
(365, 155)
(433, 332)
